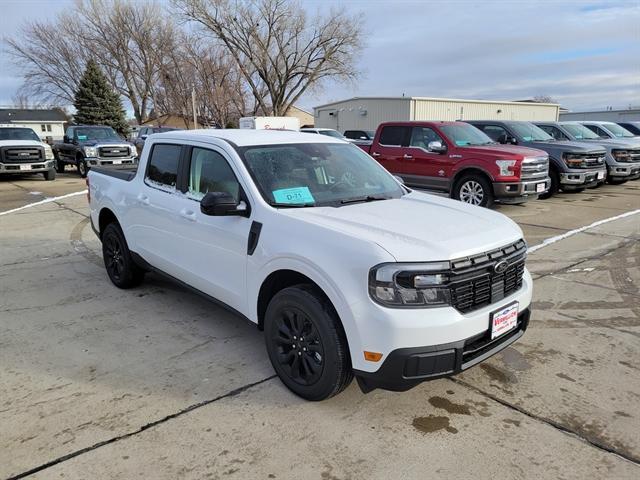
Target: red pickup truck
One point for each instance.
(458, 158)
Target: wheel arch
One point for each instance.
(471, 169)
(105, 217)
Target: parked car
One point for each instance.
(144, 132)
(573, 166)
(459, 159)
(360, 137)
(633, 127)
(611, 130)
(623, 158)
(347, 271)
(329, 132)
(87, 146)
(21, 151)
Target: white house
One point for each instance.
(48, 124)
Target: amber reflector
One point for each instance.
(372, 356)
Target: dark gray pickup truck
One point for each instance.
(86, 146)
(573, 166)
(623, 157)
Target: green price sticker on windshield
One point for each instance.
(293, 195)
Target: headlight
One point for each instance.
(48, 153)
(506, 167)
(573, 159)
(621, 155)
(132, 151)
(422, 285)
(90, 152)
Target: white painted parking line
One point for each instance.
(570, 233)
(42, 202)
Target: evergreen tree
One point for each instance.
(96, 103)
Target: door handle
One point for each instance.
(375, 154)
(188, 214)
(406, 156)
(143, 199)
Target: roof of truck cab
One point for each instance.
(247, 137)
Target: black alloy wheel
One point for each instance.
(121, 268)
(306, 343)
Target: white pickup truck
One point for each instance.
(347, 271)
(22, 151)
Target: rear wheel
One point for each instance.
(475, 190)
(306, 344)
(554, 187)
(121, 268)
(49, 175)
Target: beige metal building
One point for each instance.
(366, 113)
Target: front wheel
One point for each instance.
(121, 268)
(59, 166)
(306, 344)
(474, 190)
(82, 167)
(554, 187)
(50, 175)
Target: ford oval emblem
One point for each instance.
(501, 267)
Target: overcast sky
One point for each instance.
(586, 54)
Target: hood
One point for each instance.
(93, 143)
(568, 146)
(611, 142)
(21, 143)
(417, 227)
(500, 150)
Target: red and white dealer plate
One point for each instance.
(504, 320)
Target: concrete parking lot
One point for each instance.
(156, 382)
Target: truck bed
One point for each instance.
(126, 174)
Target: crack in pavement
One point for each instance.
(548, 421)
(141, 429)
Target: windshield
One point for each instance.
(18, 134)
(331, 133)
(580, 132)
(464, 135)
(96, 133)
(530, 132)
(318, 174)
(617, 130)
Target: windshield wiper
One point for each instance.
(292, 205)
(366, 198)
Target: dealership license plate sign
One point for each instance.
(540, 187)
(600, 175)
(25, 167)
(504, 320)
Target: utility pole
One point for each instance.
(193, 106)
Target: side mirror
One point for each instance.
(143, 137)
(65, 139)
(221, 204)
(436, 147)
(504, 139)
(364, 138)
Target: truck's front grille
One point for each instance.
(633, 156)
(535, 168)
(113, 152)
(589, 160)
(21, 154)
(487, 278)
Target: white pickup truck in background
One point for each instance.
(347, 271)
(22, 151)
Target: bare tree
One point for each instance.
(279, 50)
(51, 58)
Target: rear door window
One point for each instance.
(395, 136)
(162, 171)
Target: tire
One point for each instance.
(615, 181)
(474, 189)
(49, 175)
(121, 268)
(316, 367)
(83, 169)
(554, 187)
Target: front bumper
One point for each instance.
(31, 167)
(510, 192)
(124, 162)
(405, 368)
(628, 171)
(581, 179)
